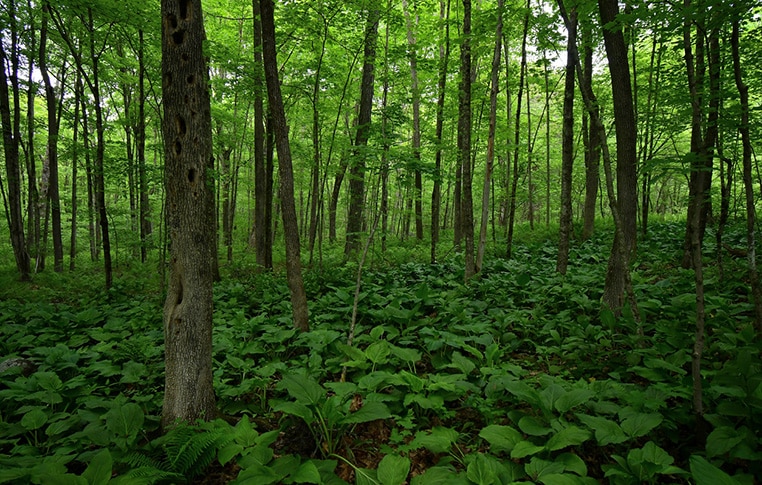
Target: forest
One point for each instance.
(380, 243)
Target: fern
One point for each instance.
(148, 475)
(191, 449)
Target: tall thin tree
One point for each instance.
(464, 141)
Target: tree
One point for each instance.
(187, 128)
(444, 57)
(626, 168)
(285, 171)
(567, 156)
(464, 140)
(416, 93)
(10, 118)
(357, 168)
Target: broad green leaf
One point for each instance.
(302, 388)
(564, 479)
(722, 440)
(606, 431)
(462, 363)
(378, 352)
(125, 420)
(572, 398)
(525, 448)
(228, 452)
(257, 474)
(306, 473)
(364, 476)
(550, 395)
(34, 419)
(500, 438)
(439, 475)
(571, 436)
(438, 440)
(405, 354)
(295, 409)
(572, 463)
(61, 479)
(641, 423)
(370, 411)
(482, 470)
(99, 470)
(393, 470)
(523, 392)
(13, 475)
(538, 467)
(533, 426)
(707, 474)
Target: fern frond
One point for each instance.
(190, 449)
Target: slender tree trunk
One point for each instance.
(34, 241)
(262, 224)
(743, 92)
(187, 127)
(416, 95)
(444, 56)
(317, 196)
(494, 88)
(516, 132)
(591, 141)
(285, 170)
(11, 142)
(546, 76)
(384, 205)
(52, 155)
(530, 162)
(358, 165)
(74, 172)
(567, 157)
(626, 168)
(140, 142)
(464, 140)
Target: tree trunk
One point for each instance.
(567, 156)
(626, 168)
(444, 56)
(464, 140)
(591, 142)
(416, 101)
(317, 196)
(189, 392)
(140, 142)
(11, 142)
(743, 92)
(357, 166)
(494, 89)
(74, 172)
(285, 171)
(516, 132)
(34, 241)
(262, 226)
(52, 155)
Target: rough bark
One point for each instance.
(494, 88)
(464, 141)
(626, 168)
(357, 166)
(262, 226)
(189, 392)
(751, 254)
(436, 194)
(285, 170)
(591, 142)
(11, 141)
(567, 152)
(52, 153)
(144, 206)
(416, 101)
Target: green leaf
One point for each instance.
(462, 363)
(561, 479)
(573, 398)
(641, 423)
(306, 473)
(572, 463)
(302, 388)
(393, 470)
(99, 470)
(257, 474)
(405, 354)
(722, 440)
(707, 474)
(438, 440)
(538, 467)
(500, 438)
(439, 475)
(606, 431)
(571, 436)
(228, 452)
(34, 419)
(482, 470)
(378, 352)
(370, 411)
(294, 409)
(364, 476)
(533, 426)
(525, 448)
(125, 420)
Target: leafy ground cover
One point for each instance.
(518, 377)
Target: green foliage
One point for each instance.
(517, 377)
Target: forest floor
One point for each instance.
(519, 376)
